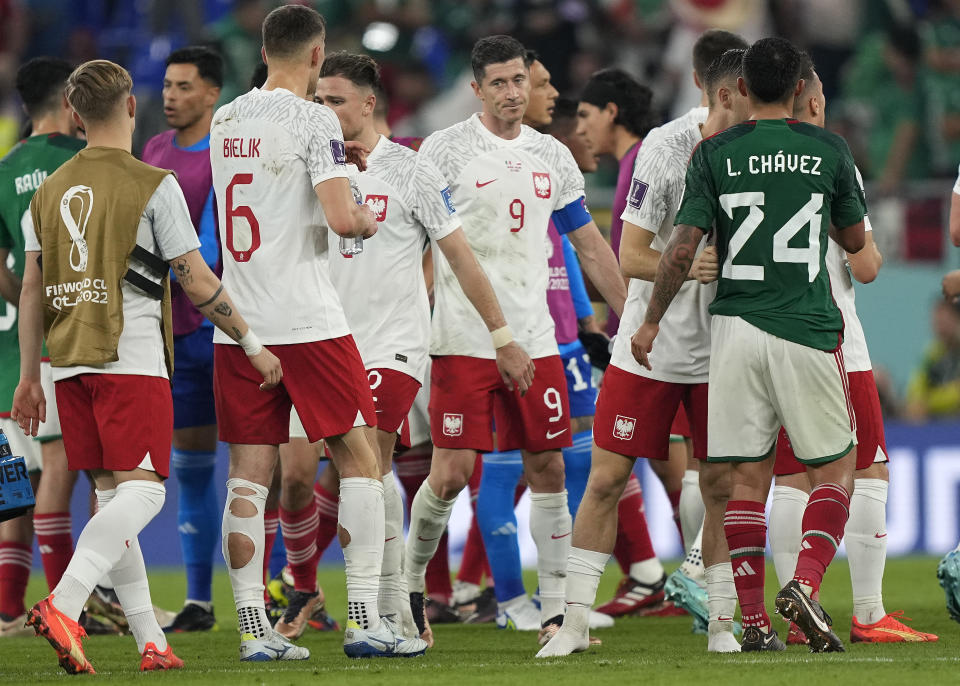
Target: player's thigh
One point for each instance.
(544, 470)
(450, 470)
(609, 473)
(742, 422)
(871, 442)
(634, 414)
(393, 396)
(539, 420)
(355, 453)
(246, 414)
(22, 446)
(461, 402)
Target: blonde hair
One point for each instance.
(96, 88)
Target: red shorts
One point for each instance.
(393, 395)
(114, 421)
(468, 398)
(681, 425)
(629, 399)
(871, 443)
(325, 380)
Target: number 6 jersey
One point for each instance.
(771, 188)
(268, 149)
(505, 192)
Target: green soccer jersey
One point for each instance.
(22, 170)
(770, 188)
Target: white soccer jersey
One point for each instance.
(856, 358)
(681, 353)
(268, 149)
(504, 192)
(382, 289)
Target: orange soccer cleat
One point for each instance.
(888, 630)
(153, 660)
(63, 633)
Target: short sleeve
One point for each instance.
(570, 183)
(699, 204)
(848, 206)
(326, 152)
(172, 228)
(657, 177)
(433, 206)
(867, 226)
(956, 185)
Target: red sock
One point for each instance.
(633, 536)
(437, 576)
(823, 524)
(271, 521)
(327, 507)
(745, 525)
(300, 538)
(674, 497)
(15, 560)
(55, 540)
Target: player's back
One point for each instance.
(774, 187)
(268, 149)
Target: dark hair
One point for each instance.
(710, 45)
(633, 99)
(806, 66)
(382, 107)
(360, 70)
(40, 83)
(495, 50)
(259, 76)
(728, 65)
(771, 69)
(288, 28)
(564, 117)
(807, 69)
(530, 57)
(208, 62)
(904, 39)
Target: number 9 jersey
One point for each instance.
(771, 188)
(268, 150)
(505, 192)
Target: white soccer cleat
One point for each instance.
(271, 647)
(384, 641)
(598, 620)
(398, 608)
(519, 614)
(572, 637)
(720, 638)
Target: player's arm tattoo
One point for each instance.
(223, 308)
(182, 270)
(236, 334)
(673, 269)
(212, 298)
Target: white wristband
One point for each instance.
(250, 343)
(501, 337)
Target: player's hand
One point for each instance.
(356, 153)
(951, 285)
(515, 367)
(29, 406)
(370, 221)
(706, 266)
(268, 365)
(641, 343)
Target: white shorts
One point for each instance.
(21, 445)
(50, 429)
(759, 381)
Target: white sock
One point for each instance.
(721, 595)
(104, 540)
(785, 529)
(391, 572)
(691, 507)
(584, 569)
(129, 579)
(551, 527)
(692, 564)
(866, 538)
(247, 581)
(647, 572)
(428, 520)
(361, 530)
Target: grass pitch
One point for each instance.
(654, 650)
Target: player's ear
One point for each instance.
(78, 120)
(132, 105)
(696, 80)
(370, 104)
(612, 109)
(263, 55)
(476, 89)
(213, 94)
(801, 84)
(742, 86)
(316, 56)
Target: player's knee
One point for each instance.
(605, 485)
(295, 493)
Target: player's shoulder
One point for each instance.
(711, 144)
(443, 137)
(818, 133)
(549, 149)
(69, 144)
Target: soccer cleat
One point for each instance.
(441, 613)
(420, 618)
(796, 606)
(889, 629)
(104, 606)
(300, 605)
(482, 610)
(384, 641)
(553, 625)
(271, 647)
(64, 634)
(464, 593)
(795, 637)
(598, 620)
(755, 640)
(519, 614)
(688, 594)
(15, 627)
(155, 661)
(571, 636)
(192, 617)
(635, 598)
(948, 573)
(98, 626)
(320, 620)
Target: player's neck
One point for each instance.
(369, 137)
(770, 110)
(44, 126)
(195, 132)
(498, 127)
(293, 79)
(623, 140)
(110, 135)
(716, 122)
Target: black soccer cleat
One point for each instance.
(441, 613)
(192, 617)
(755, 641)
(796, 606)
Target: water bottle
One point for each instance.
(352, 246)
(16, 493)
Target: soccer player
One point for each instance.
(770, 187)
(280, 177)
(107, 227)
(507, 181)
(636, 408)
(191, 88)
(40, 85)
(866, 530)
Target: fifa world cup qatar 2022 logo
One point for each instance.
(77, 199)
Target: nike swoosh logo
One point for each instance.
(389, 539)
(425, 540)
(723, 618)
(822, 625)
(557, 538)
(884, 535)
(485, 183)
(554, 435)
